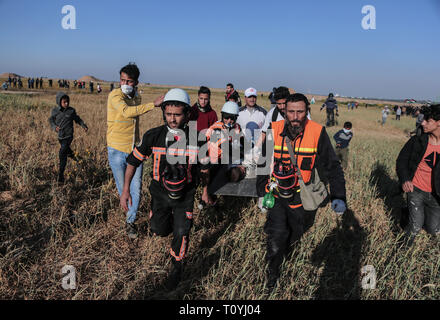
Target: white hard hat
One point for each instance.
(230, 107)
(177, 94)
(250, 92)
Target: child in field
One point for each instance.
(61, 121)
(343, 138)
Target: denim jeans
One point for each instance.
(118, 164)
(424, 210)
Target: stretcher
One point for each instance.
(244, 188)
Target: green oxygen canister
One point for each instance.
(268, 200)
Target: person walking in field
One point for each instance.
(300, 147)
(123, 110)
(173, 185)
(398, 113)
(342, 139)
(385, 113)
(61, 120)
(419, 119)
(330, 105)
(418, 169)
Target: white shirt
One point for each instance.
(251, 120)
(268, 120)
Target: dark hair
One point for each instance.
(131, 70)
(186, 108)
(348, 125)
(281, 93)
(298, 97)
(204, 89)
(330, 95)
(230, 85)
(431, 112)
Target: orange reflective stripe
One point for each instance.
(159, 150)
(138, 155)
(156, 175)
(294, 206)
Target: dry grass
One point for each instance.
(44, 227)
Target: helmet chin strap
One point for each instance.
(173, 131)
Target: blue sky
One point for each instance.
(312, 46)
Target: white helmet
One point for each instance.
(230, 107)
(177, 94)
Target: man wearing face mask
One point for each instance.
(123, 110)
(225, 150)
(342, 139)
(287, 220)
(173, 186)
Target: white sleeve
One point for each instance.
(267, 121)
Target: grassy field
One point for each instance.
(44, 226)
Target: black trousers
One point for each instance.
(330, 117)
(64, 152)
(169, 215)
(286, 222)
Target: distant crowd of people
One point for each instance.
(38, 83)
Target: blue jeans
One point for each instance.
(118, 164)
(424, 210)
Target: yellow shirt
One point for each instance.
(123, 120)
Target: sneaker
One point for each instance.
(174, 276)
(131, 230)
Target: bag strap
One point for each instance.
(275, 114)
(292, 158)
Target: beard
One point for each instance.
(294, 129)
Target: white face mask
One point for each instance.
(126, 89)
(347, 131)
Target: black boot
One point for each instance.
(273, 272)
(175, 275)
(272, 278)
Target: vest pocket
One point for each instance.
(306, 163)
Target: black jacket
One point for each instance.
(327, 164)
(330, 104)
(409, 158)
(157, 138)
(63, 118)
